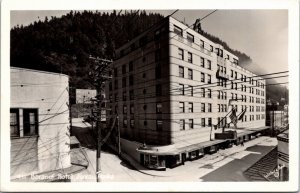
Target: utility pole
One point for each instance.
(99, 78)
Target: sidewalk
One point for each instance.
(78, 163)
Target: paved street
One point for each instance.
(214, 167)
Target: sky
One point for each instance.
(261, 34)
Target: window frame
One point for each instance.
(178, 30)
(17, 124)
(181, 53)
(190, 74)
(191, 124)
(191, 107)
(190, 37)
(181, 107)
(181, 74)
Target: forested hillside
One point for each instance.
(64, 44)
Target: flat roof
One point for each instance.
(39, 71)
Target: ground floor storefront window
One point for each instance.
(154, 161)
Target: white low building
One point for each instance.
(84, 96)
(39, 122)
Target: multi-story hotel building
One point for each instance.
(170, 86)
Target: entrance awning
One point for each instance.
(201, 145)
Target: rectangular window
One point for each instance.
(158, 108)
(190, 74)
(202, 77)
(190, 90)
(209, 79)
(116, 84)
(203, 107)
(209, 122)
(115, 72)
(124, 96)
(202, 62)
(209, 107)
(201, 44)
(131, 123)
(219, 108)
(203, 92)
(190, 57)
(30, 122)
(130, 80)
(209, 93)
(202, 122)
(130, 66)
(190, 37)
(14, 123)
(116, 97)
(181, 107)
(131, 96)
(231, 73)
(182, 124)
(158, 90)
(131, 109)
(191, 123)
(181, 72)
(191, 108)
(110, 86)
(211, 48)
(158, 72)
(180, 54)
(209, 64)
(125, 123)
(123, 82)
(235, 61)
(116, 109)
(181, 89)
(221, 53)
(159, 124)
(235, 75)
(124, 109)
(177, 30)
(124, 69)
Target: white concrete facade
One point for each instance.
(170, 53)
(39, 122)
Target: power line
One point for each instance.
(173, 13)
(192, 24)
(153, 94)
(212, 83)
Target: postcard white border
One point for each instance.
(293, 57)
